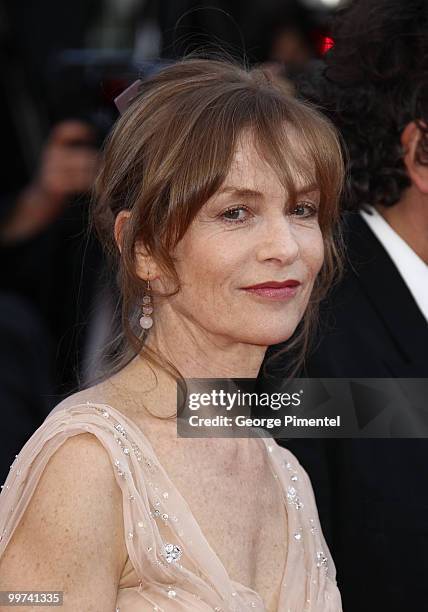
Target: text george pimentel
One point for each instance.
(269, 423)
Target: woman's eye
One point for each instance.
(239, 214)
(304, 209)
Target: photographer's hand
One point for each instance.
(68, 167)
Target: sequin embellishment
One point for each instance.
(172, 552)
(120, 471)
(126, 447)
(322, 560)
(293, 498)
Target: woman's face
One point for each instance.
(244, 236)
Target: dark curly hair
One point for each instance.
(373, 83)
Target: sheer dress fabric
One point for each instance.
(171, 566)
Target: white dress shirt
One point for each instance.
(411, 267)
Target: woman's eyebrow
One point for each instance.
(240, 191)
(245, 192)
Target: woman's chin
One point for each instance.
(268, 338)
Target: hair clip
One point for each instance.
(123, 100)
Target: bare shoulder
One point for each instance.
(104, 392)
(94, 394)
(73, 519)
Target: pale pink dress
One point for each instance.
(171, 565)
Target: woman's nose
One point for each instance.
(278, 242)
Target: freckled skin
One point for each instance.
(237, 504)
(73, 519)
(216, 258)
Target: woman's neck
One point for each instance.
(149, 386)
(197, 354)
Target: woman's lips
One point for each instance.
(275, 291)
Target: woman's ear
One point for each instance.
(411, 140)
(120, 221)
(146, 267)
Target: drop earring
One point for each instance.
(146, 320)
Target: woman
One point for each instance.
(214, 182)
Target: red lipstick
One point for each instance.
(275, 290)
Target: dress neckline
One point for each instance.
(203, 543)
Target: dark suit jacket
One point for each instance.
(372, 495)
